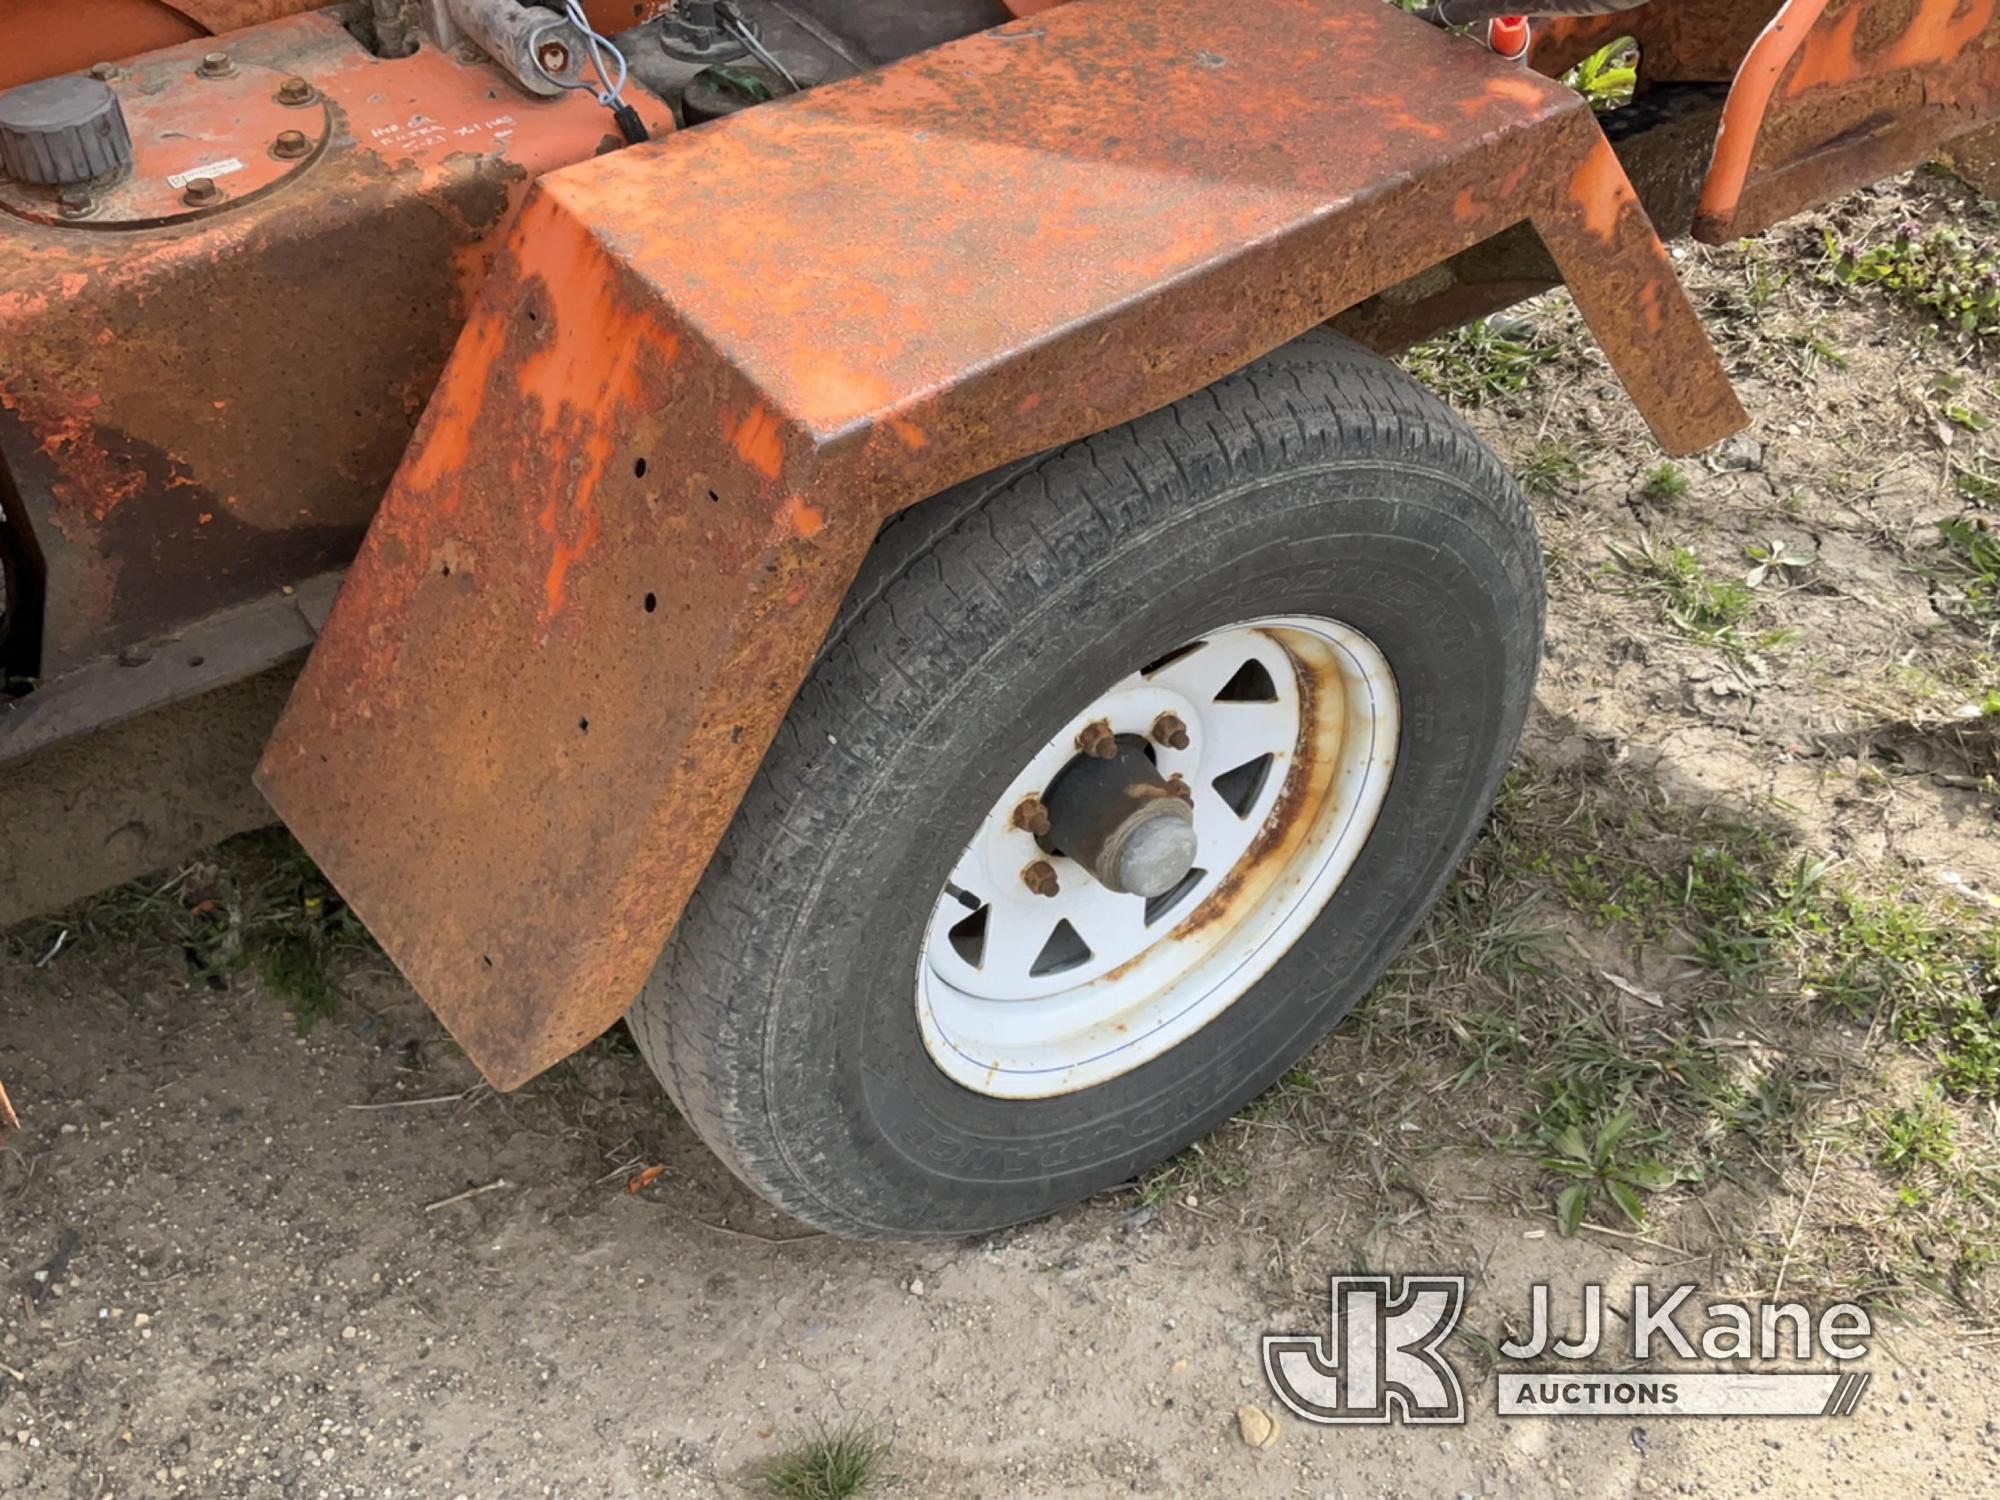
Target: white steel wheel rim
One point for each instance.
(1012, 1008)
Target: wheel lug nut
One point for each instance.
(1032, 817)
(1168, 730)
(1098, 740)
(1040, 877)
(1177, 787)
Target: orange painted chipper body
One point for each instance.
(592, 437)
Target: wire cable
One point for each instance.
(609, 89)
(733, 22)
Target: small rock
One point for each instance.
(348, 1332)
(1256, 1427)
(916, 1286)
(1742, 454)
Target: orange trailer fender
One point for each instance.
(707, 370)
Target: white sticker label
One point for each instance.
(213, 170)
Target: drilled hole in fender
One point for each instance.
(639, 468)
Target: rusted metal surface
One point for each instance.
(668, 437)
(39, 40)
(179, 132)
(1976, 158)
(136, 797)
(1837, 93)
(200, 407)
(1663, 142)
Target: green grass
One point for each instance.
(1978, 482)
(253, 905)
(1917, 1135)
(1483, 361)
(1697, 606)
(1204, 1169)
(1972, 573)
(1550, 469)
(836, 1464)
(1666, 484)
(1621, 1096)
(1947, 274)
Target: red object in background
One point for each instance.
(1508, 36)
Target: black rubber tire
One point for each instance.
(1322, 480)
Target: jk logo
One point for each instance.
(1381, 1361)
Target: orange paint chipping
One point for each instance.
(758, 441)
(1603, 191)
(804, 520)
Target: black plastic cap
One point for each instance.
(62, 130)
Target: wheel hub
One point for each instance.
(1124, 822)
(1157, 856)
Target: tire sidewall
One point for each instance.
(1406, 552)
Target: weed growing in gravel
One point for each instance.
(1612, 1162)
(1482, 361)
(1978, 482)
(830, 1465)
(1972, 572)
(1697, 606)
(1947, 274)
(1666, 484)
(1917, 1135)
(1550, 469)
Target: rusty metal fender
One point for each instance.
(707, 370)
(1837, 93)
